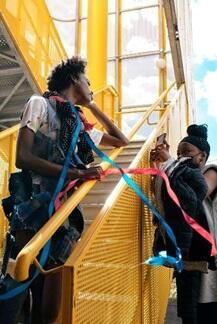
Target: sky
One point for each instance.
(204, 24)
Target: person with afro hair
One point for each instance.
(47, 127)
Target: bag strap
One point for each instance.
(10, 240)
(45, 252)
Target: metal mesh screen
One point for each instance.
(107, 276)
(7, 155)
(157, 280)
(4, 63)
(110, 283)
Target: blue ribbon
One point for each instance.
(21, 287)
(162, 258)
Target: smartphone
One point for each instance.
(160, 139)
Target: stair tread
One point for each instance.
(91, 205)
(126, 153)
(97, 192)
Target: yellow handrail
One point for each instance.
(106, 274)
(109, 88)
(105, 98)
(83, 244)
(7, 132)
(134, 163)
(31, 250)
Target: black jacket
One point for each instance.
(190, 187)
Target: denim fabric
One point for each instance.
(31, 214)
(62, 244)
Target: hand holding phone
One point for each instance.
(161, 151)
(161, 139)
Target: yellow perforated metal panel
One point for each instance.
(156, 279)
(109, 280)
(107, 276)
(7, 165)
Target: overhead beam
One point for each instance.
(5, 91)
(3, 127)
(9, 120)
(173, 33)
(12, 92)
(10, 72)
(8, 57)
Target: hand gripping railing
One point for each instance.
(27, 255)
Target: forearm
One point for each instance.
(44, 167)
(110, 127)
(27, 161)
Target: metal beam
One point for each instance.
(8, 57)
(10, 72)
(12, 92)
(5, 91)
(78, 27)
(134, 55)
(109, 13)
(136, 106)
(3, 127)
(173, 32)
(9, 120)
(139, 8)
(117, 59)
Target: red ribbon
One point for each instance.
(155, 172)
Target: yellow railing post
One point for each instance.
(118, 61)
(162, 48)
(97, 42)
(97, 22)
(78, 27)
(12, 152)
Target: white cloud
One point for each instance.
(207, 89)
(204, 29)
(64, 10)
(140, 90)
(138, 44)
(213, 159)
(199, 90)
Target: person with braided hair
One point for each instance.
(46, 130)
(195, 185)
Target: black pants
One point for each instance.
(207, 313)
(17, 309)
(188, 290)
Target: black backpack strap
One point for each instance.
(10, 240)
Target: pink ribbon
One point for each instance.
(155, 172)
(60, 195)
